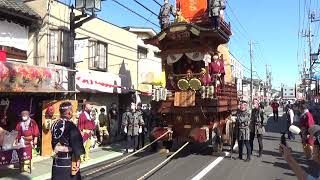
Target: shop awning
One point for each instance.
(95, 81)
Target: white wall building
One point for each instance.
(149, 60)
(288, 92)
(237, 72)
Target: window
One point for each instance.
(98, 55)
(291, 89)
(285, 94)
(59, 47)
(142, 52)
(291, 94)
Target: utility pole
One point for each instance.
(251, 83)
(76, 21)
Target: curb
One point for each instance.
(84, 165)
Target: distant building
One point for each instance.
(288, 92)
(237, 72)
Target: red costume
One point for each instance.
(275, 106)
(86, 125)
(217, 67)
(306, 122)
(28, 129)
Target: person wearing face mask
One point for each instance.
(28, 131)
(132, 124)
(67, 144)
(242, 126)
(256, 126)
(86, 125)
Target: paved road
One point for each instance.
(196, 162)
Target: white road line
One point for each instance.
(207, 169)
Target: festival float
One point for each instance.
(199, 96)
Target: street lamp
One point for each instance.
(88, 5)
(84, 6)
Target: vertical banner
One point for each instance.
(79, 49)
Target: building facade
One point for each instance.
(149, 63)
(237, 72)
(288, 92)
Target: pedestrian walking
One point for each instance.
(275, 108)
(306, 122)
(132, 124)
(67, 144)
(290, 118)
(86, 126)
(242, 125)
(256, 125)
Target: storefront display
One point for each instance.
(50, 113)
(24, 78)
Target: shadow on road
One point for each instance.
(13, 174)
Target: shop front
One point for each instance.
(29, 88)
(101, 89)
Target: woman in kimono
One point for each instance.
(67, 144)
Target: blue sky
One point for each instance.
(272, 24)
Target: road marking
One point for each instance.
(84, 165)
(207, 169)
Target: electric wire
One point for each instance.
(134, 12)
(145, 7)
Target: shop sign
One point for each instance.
(16, 77)
(99, 81)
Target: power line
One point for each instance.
(145, 7)
(231, 10)
(135, 13)
(157, 2)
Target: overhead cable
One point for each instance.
(135, 13)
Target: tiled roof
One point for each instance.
(19, 7)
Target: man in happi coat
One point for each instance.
(67, 145)
(306, 122)
(215, 11)
(164, 14)
(86, 126)
(242, 124)
(132, 124)
(28, 131)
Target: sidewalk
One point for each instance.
(42, 165)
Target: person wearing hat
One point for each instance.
(67, 144)
(28, 131)
(296, 168)
(242, 126)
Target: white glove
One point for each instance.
(125, 130)
(140, 129)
